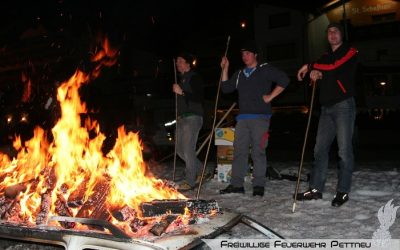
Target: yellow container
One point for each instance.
(224, 136)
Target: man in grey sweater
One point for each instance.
(256, 90)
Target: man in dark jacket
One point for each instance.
(189, 92)
(254, 84)
(335, 72)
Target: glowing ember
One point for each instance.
(70, 176)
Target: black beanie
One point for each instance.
(250, 46)
(338, 26)
(187, 56)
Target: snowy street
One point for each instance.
(357, 219)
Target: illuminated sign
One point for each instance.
(365, 12)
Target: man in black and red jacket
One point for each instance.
(334, 73)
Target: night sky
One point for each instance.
(160, 26)
(49, 40)
(144, 31)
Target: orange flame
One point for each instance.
(74, 158)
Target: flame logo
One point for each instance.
(386, 217)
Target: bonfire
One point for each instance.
(71, 177)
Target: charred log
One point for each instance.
(203, 206)
(3, 200)
(101, 213)
(45, 206)
(12, 214)
(51, 180)
(64, 188)
(136, 224)
(12, 191)
(162, 207)
(33, 186)
(5, 204)
(124, 213)
(160, 227)
(100, 192)
(62, 209)
(76, 198)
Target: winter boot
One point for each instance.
(258, 190)
(339, 199)
(231, 189)
(310, 194)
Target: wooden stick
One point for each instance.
(218, 124)
(304, 147)
(208, 137)
(176, 122)
(213, 125)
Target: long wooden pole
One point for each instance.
(213, 125)
(304, 146)
(176, 122)
(216, 126)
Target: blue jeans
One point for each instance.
(335, 121)
(187, 133)
(254, 133)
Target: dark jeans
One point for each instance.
(187, 134)
(254, 133)
(335, 121)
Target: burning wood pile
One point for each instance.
(70, 177)
(156, 217)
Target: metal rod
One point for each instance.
(213, 125)
(260, 227)
(176, 122)
(96, 222)
(304, 146)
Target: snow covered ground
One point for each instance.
(357, 219)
